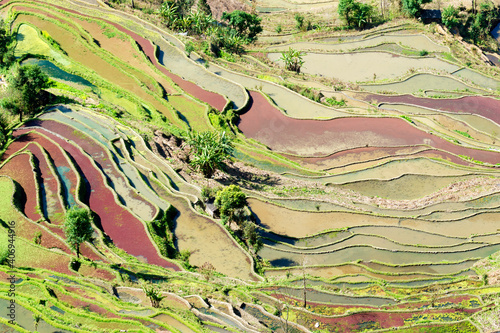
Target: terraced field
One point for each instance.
(371, 178)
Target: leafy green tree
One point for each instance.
(247, 25)
(6, 52)
(25, 84)
(299, 21)
(229, 200)
(450, 17)
(354, 13)
(413, 7)
(210, 150)
(4, 129)
(78, 228)
(293, 59)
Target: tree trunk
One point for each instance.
(78, 251)
(133, 5)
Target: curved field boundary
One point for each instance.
(300, 136)
(418, 82)
(112, 216)
(186, 189)
(366, 42)
(300, 224)
(192, 88)
(134, 201)
(356, 66)
(20, 167)
(481, 105)
(129, 172)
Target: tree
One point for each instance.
(210, 150)
(292, 59)
(229, 200)
(450, 17)
(247, 25)
(36, 320)
(4, 129)
(78, 228)
(355, 13)
(412, 7)
(25, 84)
(204, 7)
(6, 52)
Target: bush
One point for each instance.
(189, 48)
(355, 14)
(450, 17)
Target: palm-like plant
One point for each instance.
(292, 59)
(154, 296)
(170, 14)
(210, 150)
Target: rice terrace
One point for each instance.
(249, 166)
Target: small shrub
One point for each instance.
(37, 239)
(189, 48)
(423, 53)
(279, 29)
(75, 265)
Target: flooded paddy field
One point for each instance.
(357, 67)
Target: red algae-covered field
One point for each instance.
(480, 105)
(266, 123)
(20, 169)
(113, 218)
(103, 159)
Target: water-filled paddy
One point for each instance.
(418, 42)
(478, 78)
(406, 187)
(420, 82)
(480, 105)
(358, 67)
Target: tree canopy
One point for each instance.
(229, 200)
(78, 227)
(354, 13)
(25, 84)
(245, 24)
(450, 17)
(413, 7)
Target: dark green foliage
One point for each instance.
(229, 200)
(332, 101)
(24, 91)
(299, 21)
(78, 228)
(412, 7)
(308, 92)
(161, 232)
(251, 236)
(450, 17)
(4, 129)
(423, 53)
(246, 25)
(210, 150)
(355, 14)
(204, 7)
(6, 51)
(189, 48)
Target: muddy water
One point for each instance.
(396, 169)
(301, 224)
(374, 241)
(358, 67)
(478, 79)
(173, 322)
(397, 189)
(479, 123)
(418, 42)
(24, 318)
(421, 82)
(323, 297)
(367, 253)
